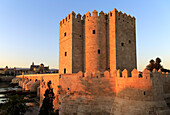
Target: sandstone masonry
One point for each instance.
(97, 43)
(97, 70)
(108, 93)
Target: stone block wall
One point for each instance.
(66, 44)
(71, 44)
(109, 92)
(125, 41)
(141, 96)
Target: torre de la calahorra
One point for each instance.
(98, 70)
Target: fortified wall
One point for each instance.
(107, 93)
(97, 57)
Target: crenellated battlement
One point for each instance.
(95, 13)
(118, 74)
(101, 14)
(88, 14)
(127, 85)
(68, 18)
(120, 13)
(134, 74)
(78, 16)
(124, 15)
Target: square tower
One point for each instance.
(97, 43)
(121, 41)
(70, 44)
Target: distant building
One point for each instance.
(6, 71)
(14, 71)
(19, 71)
(34, 69)
(39, 68)
(54, 70)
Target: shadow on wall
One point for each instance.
(47, 105)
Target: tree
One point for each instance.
(47, 106)
(15, 106)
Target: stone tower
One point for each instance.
(97, 43)
(121, 35)
(70, 44)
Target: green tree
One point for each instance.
(14, 106)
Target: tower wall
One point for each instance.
(66, 43)
(125, 42)
(83, 35)
(77, 44)
(95, 42)
(112, 40)
(91, 43)
(102, 41)
(70, 44)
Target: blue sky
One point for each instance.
(29, 29)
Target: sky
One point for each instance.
(29, 29)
